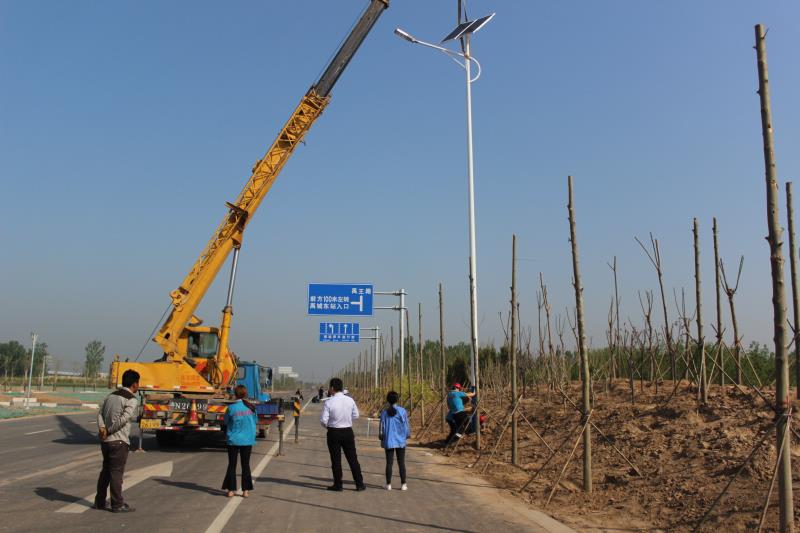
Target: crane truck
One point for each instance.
(190, 387)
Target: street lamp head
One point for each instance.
(405, 35)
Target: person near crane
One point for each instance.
(114, 426)
(337, 417)
(240, 424)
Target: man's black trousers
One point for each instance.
(115, 455)
(343, 439)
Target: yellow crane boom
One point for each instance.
(189, 364)
(228, 235)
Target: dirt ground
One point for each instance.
(685, 452)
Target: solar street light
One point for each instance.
(462, 32)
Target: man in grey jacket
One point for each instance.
(114, 420)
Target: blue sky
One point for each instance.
(125, 127)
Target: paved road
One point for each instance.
(50, 463)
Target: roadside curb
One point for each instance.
(18, 418)
(51, 405)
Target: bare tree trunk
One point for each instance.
(701, 344)
(614, 334)
(667, 329)
(736, 339)
(778, 297)
(422, 368)
(655, 260)
(630, 370)
(793, 264)
(585, 375)
(513, 351)
(539, 305)
(441, 354)
(551, 357)
(718, 348)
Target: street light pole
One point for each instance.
(30, 373)
(473, 270)
(463, 33)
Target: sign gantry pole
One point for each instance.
(400, 308)
(376, 348)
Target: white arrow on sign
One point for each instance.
(132, 478)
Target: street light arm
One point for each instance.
(437, 47)
(450, 53)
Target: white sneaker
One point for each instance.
(389, 486)
(404, 487)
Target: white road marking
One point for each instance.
(131, 479)
(15, 450)
(40, 431)
(222, 518)
(80, 460)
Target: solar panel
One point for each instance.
(459, 31)
(468, 27)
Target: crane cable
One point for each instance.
(153, 332)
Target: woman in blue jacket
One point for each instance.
(393, 434)
(240, 424)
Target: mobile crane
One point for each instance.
(189, 388)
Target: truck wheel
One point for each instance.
(262, 433)
(167, 439)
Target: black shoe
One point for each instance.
(335, 488)
(361, 487)
(124, 508)
(103, 507)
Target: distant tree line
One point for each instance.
(15, 360)
(494, 362)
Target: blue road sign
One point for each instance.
(353, 299)
(339, 332)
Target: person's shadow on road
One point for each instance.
(191, 486)
(74, 433)
(282, 481)
(55, 495)
(330, 480)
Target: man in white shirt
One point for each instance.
(338, 413)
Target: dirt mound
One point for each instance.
(685, 452)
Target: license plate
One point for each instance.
(149, 423)
(184, 404)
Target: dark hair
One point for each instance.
(240, 391)
(392, 398)
(129, 378)
(337, 385)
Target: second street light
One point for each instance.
(463, 33)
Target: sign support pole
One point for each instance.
(377, 347)
(402, 307)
